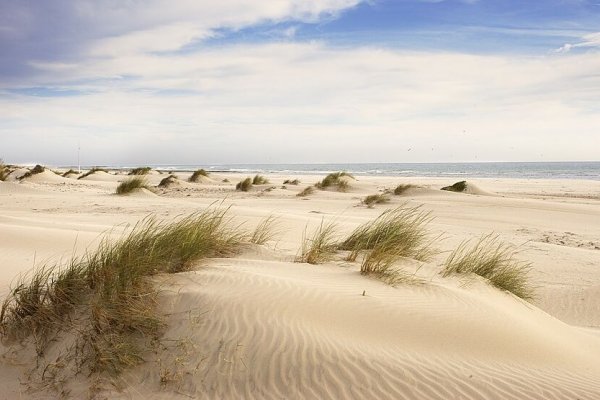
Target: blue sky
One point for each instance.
(158, 81)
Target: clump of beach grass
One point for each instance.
(380, 263)
(38, 169)
(168, 181)
(306, 191)
(140, 171)
(69, 172)
(266, 230)
(197, 174)
(334, 179)
(456, 187)
(93, 171)
(259, 180)
(244, 185)
(493, 260)
(4, 171)
(403, 228)
(132, 184)
(373, 199)
(319, 247)
(291, 182)
(400, 189)
(105, 298)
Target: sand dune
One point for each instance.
(260, 326)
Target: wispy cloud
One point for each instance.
(588, 41)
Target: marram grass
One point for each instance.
(319, 247)
(132, 184)
(107, 292)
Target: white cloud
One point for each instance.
(591, 40)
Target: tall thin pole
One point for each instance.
(78, 157)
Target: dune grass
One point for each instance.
(493, 260)
(373, 199)
(92, 171)
(168, 181)
(4, 171)
(244, 185)
(400, 189)
(259, 180)
(456, 187)
(38, 169)
(105, 297)
(334, 179)
(197, 174)
(131, 184)
(291, 182)
(380, 263)
(307, 191)
(320, 246)
(140, 171)
(403, 228)
(266, 230)
(69, 172)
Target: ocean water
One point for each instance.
(526, 170)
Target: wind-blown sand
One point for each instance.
(261, 326)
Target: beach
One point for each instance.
(257, 324)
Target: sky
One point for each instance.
(203, 82)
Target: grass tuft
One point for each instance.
(259, 180)
(93, 171)
(265, 230)
(306, 191)
(291, 182)
(168, 181)
(244, 185)
(494, 261)
(320, 246)
(132, 184)
(140, 171)
(334, 179)
(402, 228)
(69, 172)
(38, 169)
(197, 174)
(375, 199)
(107, 292)
(400, 189)
(4, 171)
(457, 187)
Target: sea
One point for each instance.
(524, 170)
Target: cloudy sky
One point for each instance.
(273, 81)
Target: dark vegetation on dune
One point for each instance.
(140, 171)
(244, 185)
(197, 174)
(38, 169)
(131, 185)
(334, 180)
(93, 171)
(457, 187)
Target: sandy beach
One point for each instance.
(259, 325)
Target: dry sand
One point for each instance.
(260, 326)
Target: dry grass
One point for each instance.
(320, 246)
(259, 180)
(93, 171)
(291, 182)
(457, 187)
(400, 189)
(131, 185)
(69, 172)
(373, 199)
(168, 181)
(381, 262)
(494, 261)
(197, 174)
(140, 171)
(38, 169)
(334, 179)
(402, 228)
(266, 230)
(107, 292)
(244, 185)
(306, 191)
(4, 171)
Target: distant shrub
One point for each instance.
(375, 199)
(69, 172)
(197, 174)
(306, 192)
(457, 187)
(259, 180)
(291, 182)
(3, 171)
(132, 184)
(333, 179)
(244, 185)
(93, 171)
(168, 181)
(400, 189)
(225, 180)
(140, 171)
(494, 261)
(38, 169)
